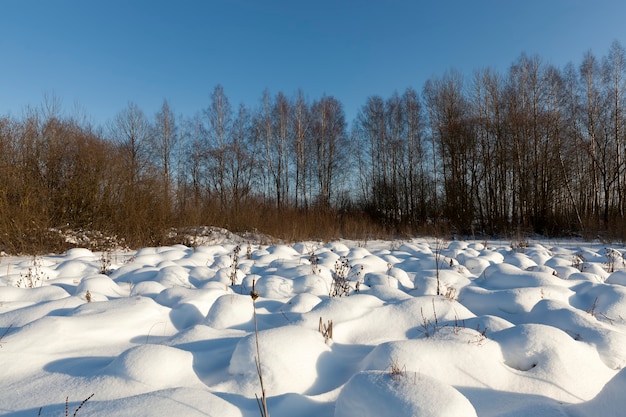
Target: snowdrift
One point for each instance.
(420, 329)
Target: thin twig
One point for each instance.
(81, 404)
(257, 360)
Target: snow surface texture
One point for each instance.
(530, 330)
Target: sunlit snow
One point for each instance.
(518, 330)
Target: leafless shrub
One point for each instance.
(343, 274)
(105, 262)
(520, 244)
(439, 246)
(429, 327)
(234, 267)
(478, 340)
(395, 244)
(613, 257)
(314, 260)
(396, 371)
(577, 261)
(607, 318)
(599, 314)
(131, 259)
(458, 325)
(34, 277)
(451, 293)
(481, 337)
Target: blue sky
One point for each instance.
(100, 55)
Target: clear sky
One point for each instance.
(99, 55)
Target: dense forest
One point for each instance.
(537, 149)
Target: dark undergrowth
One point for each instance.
(258, 223)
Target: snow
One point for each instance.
(377, 393)
(523, 331)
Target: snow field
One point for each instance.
(539, 330)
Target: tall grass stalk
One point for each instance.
(262, 402)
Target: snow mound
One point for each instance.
(507, 276)
(376, 393)
(188, 402)
(312, 284)
(32, 295)
(274, 286)
(230, 310)
(552, 363)
(617, 278)
(609, 402)
(458, 357)
(302, 303)
(289, 359)
(156, 366)
(100, 285)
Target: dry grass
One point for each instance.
(343, 276)
(326, 329)
(67, 406)
(34, 276)
(395, 370)
(261, 402)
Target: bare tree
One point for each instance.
(453, 136)
(241, 166)
(329, 135)
(372, 131)
(195, 159)
(595, 134)
(281, 115)
(273, 131)
(414, 170)
(130, 130)
(301, 137)
(220, 118)
(614, 74)
(164, 139)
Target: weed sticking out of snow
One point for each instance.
(344, 277)
(67, 406)
(261, 402)
(314, 260)
(326, 329)
(396, 371)
(614, 260)
(234, 266)
(429, 326)
(34, 275)
(105, 262)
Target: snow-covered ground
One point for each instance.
(538, 330)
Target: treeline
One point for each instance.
(536, 149)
